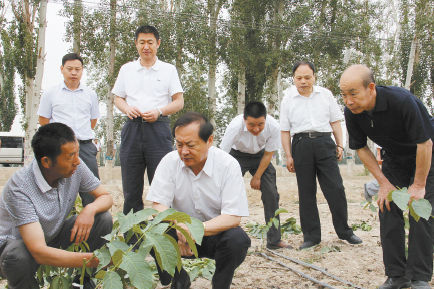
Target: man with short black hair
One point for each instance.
(35, 205)
(75, 105)
(310, 114)
(252, 138)
(398, 121)
(147, 91)
(206, 183)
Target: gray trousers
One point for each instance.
(87, 154)
(269, 195)
(19, 267)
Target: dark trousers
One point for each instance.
(87, 154)
(143, 146)
(269, 195)
(316, 157)
(18, 266)
(228, 249)
(399, 170)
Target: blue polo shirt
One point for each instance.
(398, 122)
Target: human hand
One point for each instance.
(184, 248)
(416, 192)
(83, 225)
(151, 115)
(383, 192)
(290, 164)
(255, 183)
(132, 112)
(339, 153)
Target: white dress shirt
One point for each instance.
(218, 189)
(75, 108)
(238, 137)
(146, 88)
(306, 114)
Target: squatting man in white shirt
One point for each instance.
(206, 183)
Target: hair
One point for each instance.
(71, 56)
(303, 62)
(48, 140)
(205, 127)
(368, 77)
(255, 109)
(147, 29)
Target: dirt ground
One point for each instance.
(359, 264)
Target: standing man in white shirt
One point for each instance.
(252, 138)
(310, 114)
(206, 183)
(75, 105)
(146, 91)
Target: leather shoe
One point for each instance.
(308, 244)
(181, 280)
(353, 239)
(396, 283)
(417, 284)
(279, 245)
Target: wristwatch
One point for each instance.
(160, 112)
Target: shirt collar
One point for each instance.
(40, 180)
(380, 102)
(156, 66)
(80, 87)
(294, 92)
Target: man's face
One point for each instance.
(355, 95)
(192, 150)
(304, 79)
(67, 161)
(255, 125)
(147, 46)
(72, 71)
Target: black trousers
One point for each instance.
(269, 195)
(316, 157)
(18, 266)
(399, 170)
(143, 146)
(228, 249)
(87, 154)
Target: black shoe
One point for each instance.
(181, 280)
(416, 284)
(308, 244)
(396, 283)
(279, 245)
(353, 239)
(87, 282)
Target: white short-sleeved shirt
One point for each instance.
(75, 108)
(218, 189)
(238, 137)
(306, 114)
(146, 88)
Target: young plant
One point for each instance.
(201, 267)
(122, 264)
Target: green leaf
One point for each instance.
(162, 215)
(276, 223)
(187, 236)
(143, 215)
(422, 208)
(389, 196)
(100, 275)
(126, 222)
(178, 252)
(139, 271)
(401, 198)
(112, 281)
(196, 229)
(180, 217)
(280, 211)
(165, 253)
(60, 282)
(117, 257)
(413, 214)
(103, 256)
(117, 245)
(160, 228)
(373, 208)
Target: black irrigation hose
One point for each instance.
(316, 268)
(325, 285)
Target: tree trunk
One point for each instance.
(77, 11)
(414, 44)
(33, 89)
(110, 97)
(241, 97)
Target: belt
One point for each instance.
(84, 141)
(312, 134)
(140, 119)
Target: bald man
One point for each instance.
(399, 122)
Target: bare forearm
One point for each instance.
(423, 163)
(159, 207)
(121, 104)
(337, 133)
(176, 105)
(61, 258)
(263, 164)
(286, 142)
(221, 223)
(101, 204)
